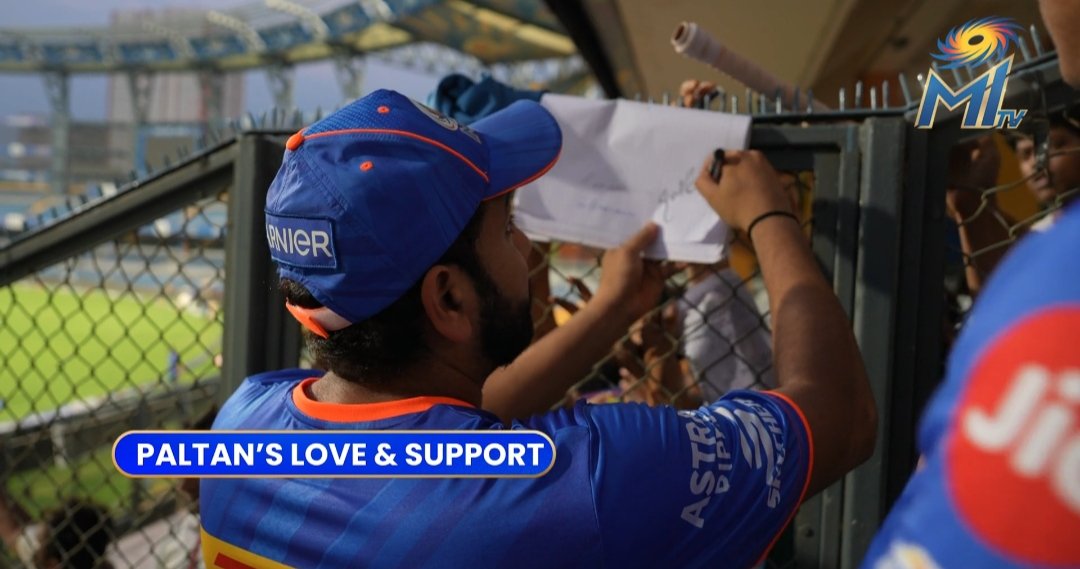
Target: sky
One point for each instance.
(315, 84)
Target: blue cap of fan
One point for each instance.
(369, 198)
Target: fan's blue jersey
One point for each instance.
(1000, 483)
(632, 486)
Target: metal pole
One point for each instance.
(280, 76)
(350, 75)
(58, 88)
(212, 90)
(259, 333)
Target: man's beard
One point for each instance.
(506, 327)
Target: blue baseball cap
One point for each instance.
(369, 198)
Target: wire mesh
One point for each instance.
(710, 333)
(1002, 187)
(126, 335)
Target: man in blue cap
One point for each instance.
(392, 228)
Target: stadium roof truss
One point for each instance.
(291, 31)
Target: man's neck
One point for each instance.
(437, 380)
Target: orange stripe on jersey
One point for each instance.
(809, 468)
(218, 554)
(356, 412)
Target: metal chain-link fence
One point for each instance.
(1002, 187)
(126, 335)
(127, 332)
(709, 335)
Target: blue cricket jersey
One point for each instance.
(632, 486)
(1000, 481)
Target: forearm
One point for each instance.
(12, 520)
(984, 241)
(541, 375)
(665, 369)
(817, 360)
(543, 316)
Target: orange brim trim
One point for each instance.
(528, 180)
(305, 317)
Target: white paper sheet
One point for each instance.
(624, 163)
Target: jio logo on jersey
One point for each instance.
(1013, 462)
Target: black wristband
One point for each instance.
(766, 215)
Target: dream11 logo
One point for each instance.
(975, 43)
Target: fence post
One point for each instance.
(258, 335)
(877, 265)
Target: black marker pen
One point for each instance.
(717, 165)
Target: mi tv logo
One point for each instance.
(973, 44)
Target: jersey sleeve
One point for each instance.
(686, 488)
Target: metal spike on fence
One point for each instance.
(857, 100)
(721, 95)
(843, 98)
(762, 104)
(809, 101)
(778, 101)
(1024, 52)
(734, 104)
(873, 98)
(885, 94)
(795, 100)
(708, 99)
(637, 97)
(921, 79)
(904, 89)
(956, 76)
(665, 98)
(1035, 39)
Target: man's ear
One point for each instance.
(446, 293)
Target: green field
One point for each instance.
(58, 344)
(92, 477)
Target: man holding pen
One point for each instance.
(418, 213)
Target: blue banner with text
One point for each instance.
(334, 453)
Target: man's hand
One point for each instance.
(629, 284)
(973, 167)
(693, 92)
(748, 188)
